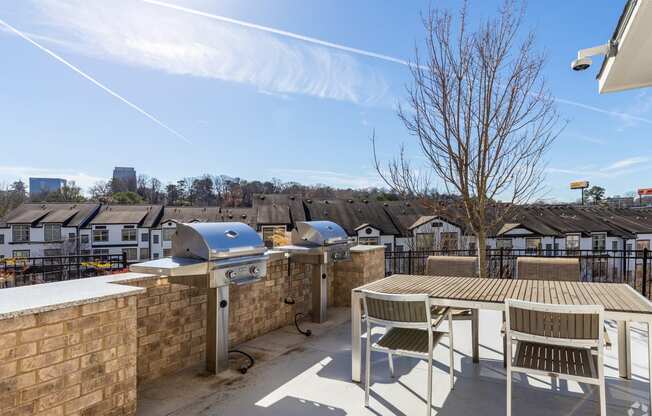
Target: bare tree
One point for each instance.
(482, 116)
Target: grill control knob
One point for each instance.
(231, 274)
(254, 270)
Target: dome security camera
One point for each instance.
(581, 64)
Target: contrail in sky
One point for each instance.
(353, 50)
(279, 32)
(94, 81)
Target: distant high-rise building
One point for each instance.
(43, 186)
(124, 179)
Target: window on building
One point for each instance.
(144, 237)
(599, 242)
(449, 241)
(628, 247)
(20, 253)
(101, 252)
(85, 252)
(425, 241)
(167, 252)
(572, 243)
(472, 247)
(548, 249)
(274, 235)
(129, 234)
(144, 253)
(20, 233)
(156, 256)
(368, 241)
(642, 244)
(614, 245)
(399, 247)
(131, 253)
(388, 247)
(71, 236)
(155, 238)
(51, 252)
(100, 234)
(2, 238)
(532, 245)
(167, 234)
(84, 238)
(52, 232)
(504, 243)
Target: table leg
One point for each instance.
(624, 350)
(475, 323)
(356, 334)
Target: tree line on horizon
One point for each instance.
(201, 191)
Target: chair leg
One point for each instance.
(429, 400)
(509, 392)
(367, 376)
(451, 366)
(603, 399)
(390, 360)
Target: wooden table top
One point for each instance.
(614, 297)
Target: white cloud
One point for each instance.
(325, 177)
(138, 34)
(617, 168)
(625, 163)
(9, 173)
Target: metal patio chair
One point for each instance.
(560, 341)
(551, 268)
(409, 332)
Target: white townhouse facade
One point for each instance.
(45, 229)
(434, 232)
(118, 229)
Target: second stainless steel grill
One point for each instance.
(213, 256)
(318, 243)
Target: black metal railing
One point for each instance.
(23, 271)
(616, 266)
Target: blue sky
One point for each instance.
(258, 105)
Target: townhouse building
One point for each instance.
(45, 229)
(118, 229)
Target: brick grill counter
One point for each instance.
(84, 346)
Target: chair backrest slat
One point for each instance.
(548, 268)
(459, 266)
(562, 322)
(401, 309)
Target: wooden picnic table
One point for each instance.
(620, 301)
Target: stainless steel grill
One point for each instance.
(318, 243)
(213, 256)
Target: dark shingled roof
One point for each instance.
(191, 214)
(246, 215)
(66, 214)
(568, 219)
(351, 214)
(404, 214)
(143, 215)
(278, 209)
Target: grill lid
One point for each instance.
(216, 240)
(321, 233)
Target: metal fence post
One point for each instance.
(410, 261)
(644, 283)
(124, 260)
(501, 263)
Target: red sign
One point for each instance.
(645, 191)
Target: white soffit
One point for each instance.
(632, 66)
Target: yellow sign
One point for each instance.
(579, 184)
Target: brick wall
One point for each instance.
(172, 317)
(367, 265)
(74, 360)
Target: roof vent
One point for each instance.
(350, 201)
(309, 201)
(262, 197)
(292, 198)
(385, 204)
(326, 202)
(244, 216)
(407, 204)
(366, 201)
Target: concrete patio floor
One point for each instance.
(296, 375)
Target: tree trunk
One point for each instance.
(481, 239)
